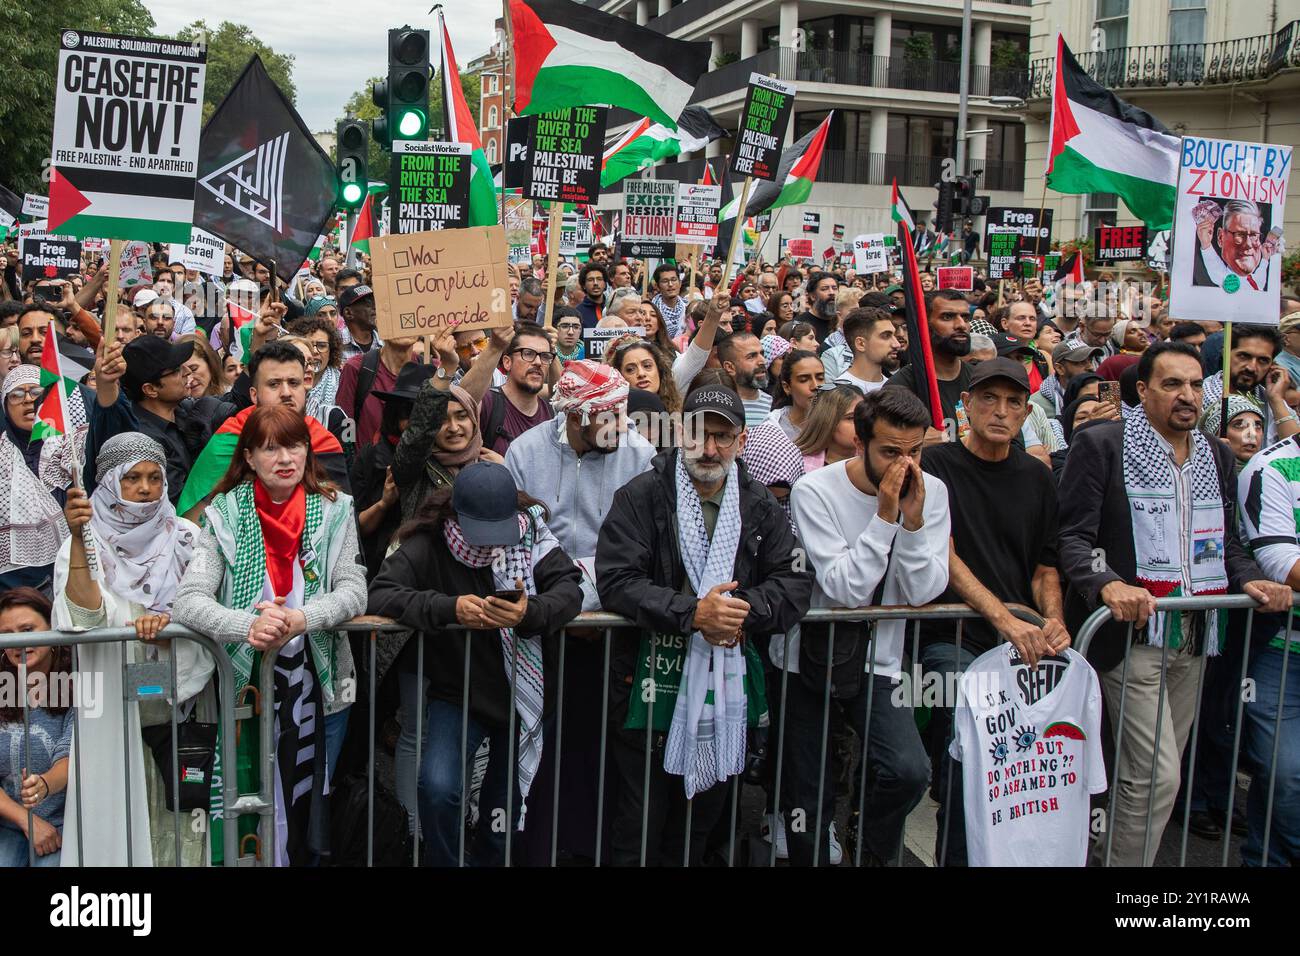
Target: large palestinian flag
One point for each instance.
(1098, 143)
(794, 177)
(568, 54)
(461, 128)
(919, 357)
(646, 143)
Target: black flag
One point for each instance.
(10, 204)
(264, 183)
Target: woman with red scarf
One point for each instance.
(275, 570)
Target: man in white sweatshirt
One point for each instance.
(875, 528)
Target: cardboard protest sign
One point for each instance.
(431, 185)
(426, 282)
(1034, 224)
(595, 340)
(800, 248)
(1227, 234)
(763, 121)
(564, 153)
(869, 254)
(1119, 244)
(127, 115)
(45, 256)
(697, 213)
(812, 222)
(1004, 244)
(960, 278)
(38, 207)
(649, 210)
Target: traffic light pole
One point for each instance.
(964, 88)
(351, 228)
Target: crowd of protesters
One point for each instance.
(733, 456)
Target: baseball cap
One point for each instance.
(1290, 322)
(716, 400)
(148, 358)
(144, 297)
(1011, 344)
(486, 501)
(354, 293)
(1000, 368)
(1074, 352)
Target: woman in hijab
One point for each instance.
(479, 555)
(34, 477)
(1245, 432)
(441, 438)
(275, 572)
(143, 547)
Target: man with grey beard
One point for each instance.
(669, 557)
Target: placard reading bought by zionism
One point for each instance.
(763, 122)
(431, 185)
(564, 152)
(649, 210)
(127, 116)
(426, 282)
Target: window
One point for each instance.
(1099, 209)
(1112, 20)
(490, 150)
(1186, 22)
(492, 118)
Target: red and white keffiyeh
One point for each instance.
(589, 388)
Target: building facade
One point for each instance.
(494, 96)
(889, 70)
(1225, 69)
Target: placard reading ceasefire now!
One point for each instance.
(768, 104)
(432, 185)
(426, 282)
(564, 151)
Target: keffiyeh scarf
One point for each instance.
(674, 316)
(773, 459)
(1149, 481)
(321, 397)
(706, 742)
(523, 656)
(589, 388)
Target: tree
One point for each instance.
(29, 58)
(230, 47)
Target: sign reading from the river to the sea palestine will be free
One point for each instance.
(431, 185)
(564, 151)
(768, 105)
(127, 116)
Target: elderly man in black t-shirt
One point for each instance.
(1003, 551)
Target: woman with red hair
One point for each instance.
(274, 572)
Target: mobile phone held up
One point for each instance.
(514, 595)
(1109, 392)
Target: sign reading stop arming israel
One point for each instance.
(127, 116)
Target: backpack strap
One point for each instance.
(496, 418)
(365, 382)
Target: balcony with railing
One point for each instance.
(862, 69)
(1181, 65)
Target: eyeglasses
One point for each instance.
(723, 440)
(319, 347)
(568, 326)
(466, 350)
(31, 394)
(8, 353)
(532, 355)
(1243, 237)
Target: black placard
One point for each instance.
(564, 151)
(431, 183)
(763, 122)
(1034, 224)
(49, 258)
(645, 250)
(812, 222)
(1120, 244)
(763, 222)
(1004, 247)
(514, 171)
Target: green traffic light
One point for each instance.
(411, 124)
(352, 193)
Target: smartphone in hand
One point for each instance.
(514, 595)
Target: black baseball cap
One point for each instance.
(1000, 367)
(149, 358)
(486, 501)
(354, 293)
(716, 400)
(1012, 345)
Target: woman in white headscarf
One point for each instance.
(143, 547)
(33, 477)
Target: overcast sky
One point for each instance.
(337, 45)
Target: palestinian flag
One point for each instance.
(1071, 268)
(899, 212)
(220, 449)
(708, 179)
(460, 127)
(919, 356)
(316, 250)
(569, 54)
(794, 178)
(1099, 143)
(365, 230)
(11, 206)
(646, 143)
(52, 417)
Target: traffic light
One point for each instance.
(403, 98)
(352, 152)
(963, 193)
(943, 207)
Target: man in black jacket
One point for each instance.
(1139, 519)
(644, 559)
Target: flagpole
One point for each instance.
(70, 434)
(552, 257)
(506, 86)
(1227, 379)
(735, 232)
(114, 275)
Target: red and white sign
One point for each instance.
(959, 278)
(697, 213)
(799, 248)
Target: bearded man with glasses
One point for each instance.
(510, 410)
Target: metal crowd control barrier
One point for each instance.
(1083, 640)
(125, 635)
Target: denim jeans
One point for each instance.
(336, 728)
(1261, 716)
(405, 763)
(897, 770)
(941, 660)
(441, 781)
(13, 850)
